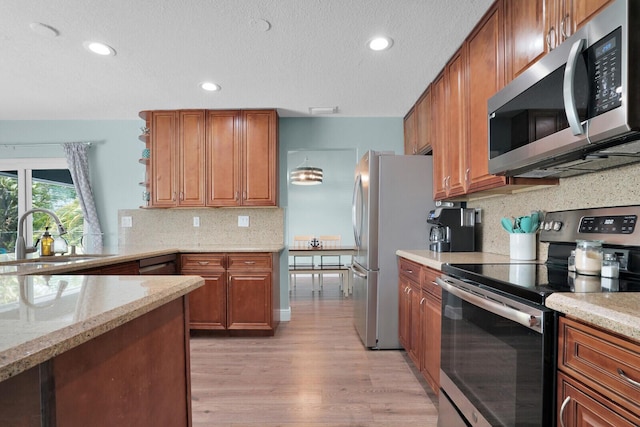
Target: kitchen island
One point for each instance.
(95, 350)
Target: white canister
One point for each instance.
(522, 246)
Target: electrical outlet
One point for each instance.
(126, 221)
(478, 215)
(243, 221)
(196, 221)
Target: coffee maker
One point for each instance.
(452, 230)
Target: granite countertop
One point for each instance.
(52, 265)
(616, 312)
(43, 316)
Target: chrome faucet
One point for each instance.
(21, 247)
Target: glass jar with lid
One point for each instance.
(610, 266)
(589, 257)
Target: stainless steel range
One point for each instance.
(498, 338)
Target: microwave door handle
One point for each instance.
(568, 88)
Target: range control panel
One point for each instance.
(614, 225)
(619, 224)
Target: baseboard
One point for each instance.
(285, 315)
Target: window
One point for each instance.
(37, 183)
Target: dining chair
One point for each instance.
(307, 263)
(332, 262)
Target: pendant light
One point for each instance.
(306, 175)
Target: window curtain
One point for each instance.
(77, 154)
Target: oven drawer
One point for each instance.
(606, 363)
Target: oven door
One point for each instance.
(497, 360)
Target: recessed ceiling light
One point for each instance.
(380, 43)
(210, 87)
(99, 48)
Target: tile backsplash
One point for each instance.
(616, 187)
(175, 227)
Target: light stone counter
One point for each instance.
(617, 312)
(436, 259)
(44, 316)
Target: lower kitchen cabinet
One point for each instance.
(598, 377)
(430, 323)
(238, 294)
(129, 268)
(419, 322)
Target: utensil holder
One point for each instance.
(522, 246)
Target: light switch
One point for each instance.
(196, 221)
(243, 221)
(126, 221)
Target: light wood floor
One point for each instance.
(313, 372)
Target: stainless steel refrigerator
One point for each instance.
(392, 197)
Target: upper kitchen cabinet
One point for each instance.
(486, 76)
(213, 158)
(534, 27)
(417, 126)
(410, 133)
(259, 169)
(449, 129)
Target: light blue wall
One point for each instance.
(113, 159)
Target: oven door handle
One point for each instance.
(525, 319)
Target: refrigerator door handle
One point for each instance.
(358, 271)
(355, 201)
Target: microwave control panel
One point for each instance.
(606, 80)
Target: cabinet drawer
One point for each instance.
(249, 262)
(605, 362)
(428, 282)
(409, 269)
(201, 263)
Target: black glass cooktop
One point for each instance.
(534, 282)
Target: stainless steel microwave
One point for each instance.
(577, 110)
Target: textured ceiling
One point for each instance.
(314, 55)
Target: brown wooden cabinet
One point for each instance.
(419, 318)
(128, 268)
(213, 158)
(535, 27)
(430, 306)
(598, 377)
(410, 133)
(207, 304)
(438, 132)
(238, 294)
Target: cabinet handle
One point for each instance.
(244, 195)
(174, 196)
(466, 175)
(627, 379)
(181, 195)
(551, 43)
(409, 271)
(203, 262)
(249, 262)
(408, 291)
(563, 31)
(562, 408)
(422, 300)
(236, 195)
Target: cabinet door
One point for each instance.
(526, 33)
(431, 324)
(259, 157)
(414, 328)
(579, 406)
(208, 304)
(456, 124)
(223, 158)
(410, 133)
(191, 158)
(249, 300)
(423, 122)
(439, 144)
(164, 152)
(486, 77)
(404, 311)
(579, 12)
